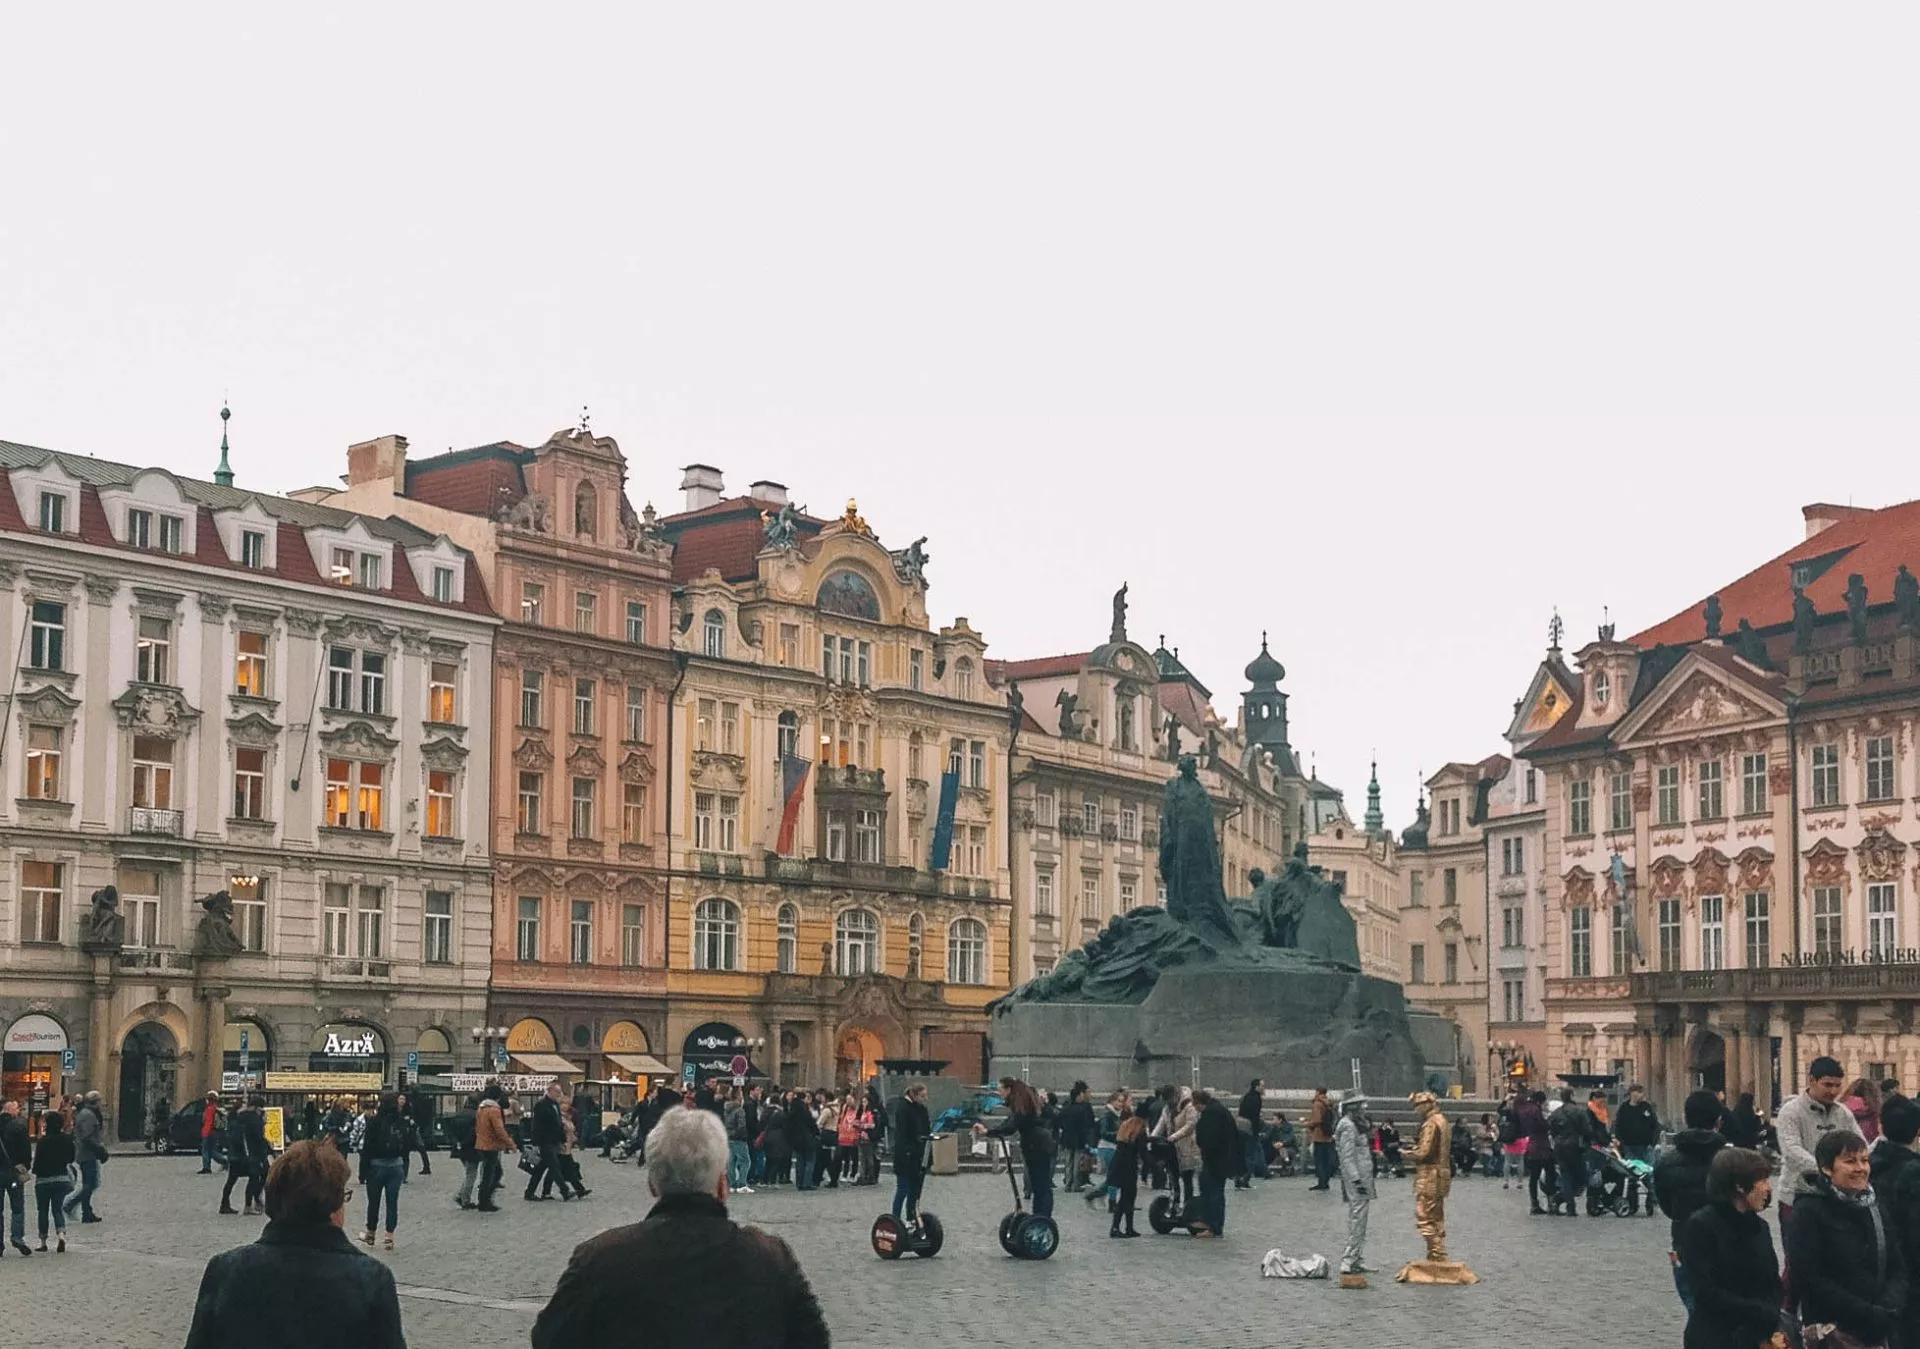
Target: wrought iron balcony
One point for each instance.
(153, 820)
(1817, 982)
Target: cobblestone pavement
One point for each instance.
(130, 1281)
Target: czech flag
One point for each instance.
(793, 786)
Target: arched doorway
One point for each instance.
(147, 1059)
(247, 1051)
(858, 1056)
(1707, 1061)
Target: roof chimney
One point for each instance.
(772, 495)
(374, 460)
(703, 485)
(1823, 515)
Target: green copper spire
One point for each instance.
(1375, 821)
(224, 474)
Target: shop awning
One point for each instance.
(549, 1063)
(641, 1064)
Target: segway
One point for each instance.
(1024, 1235)
(1167, 1213)
(923, 1237)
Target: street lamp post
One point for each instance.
(484, 1036)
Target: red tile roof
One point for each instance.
(1873, 543)
(1185, 704)
(476, 482)
(726, 536)
(1041, 667)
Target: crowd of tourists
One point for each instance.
(60, 1170)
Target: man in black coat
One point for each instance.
(1079, 1132)
(1220, 1159)
(549, 1132)
(1569, 1129)
(1680, 1176)
(1896, 1183)
(737, 1285)
(1251, 1107)
(1636, 1128)
(911, 1129)
(16, 1150)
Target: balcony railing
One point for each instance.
(344, 968)
(1866, 979)
(153, 820)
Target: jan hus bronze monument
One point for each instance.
(1266, 986)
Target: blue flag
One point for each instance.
(943, 823)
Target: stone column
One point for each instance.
(1735, 1066)
(774, 1028)
(213, 1034)
(100, 1046)
(1660, 1087)
(1643, 1063)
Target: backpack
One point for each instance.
(1565, 1126)
(1509, 1129)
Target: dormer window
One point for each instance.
(140, 529)
(443, 584)
(253, 549)
(53, 512)
(146, 530)
(351, 568)
(170, 534)
(1602, 689)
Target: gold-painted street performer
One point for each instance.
(1432, 1160)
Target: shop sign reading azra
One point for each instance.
(350, 1046)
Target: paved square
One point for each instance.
(468, 1278)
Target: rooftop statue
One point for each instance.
(1292, 921)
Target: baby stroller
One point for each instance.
(1611, 1180)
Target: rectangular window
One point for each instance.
(977, 763)
(1450, 885)
(1620, 802)
(633, 935)
(1513, 926)
(443, 585)
(1669, 924)
(1580, 807)
(373, 682)
(705, 806)
(1130, 823)
(1580, 941)
(337, 920)
(43, 763)
(340, 679)
(354, 792)
(866, 836)
(713, 631)
(1450, 963)
(441, 707)
(1759, 931)
(977, 851)
(47, 636)
(531, 820)
(586, 611)
(836, 836)
(583, 718)
(1515, 999)
(1090, 816)
(636, 622)
(916, 669)
(1883, 921)
(586, 815)
(1417, 963)
(253, 549)
(250, 665)
(1666, 795)
(706, 712)
(1713, 932)
(729, 728)
(789, 644)
(139, 529)
(531, 684)
(633, 812)
(250, 917)
(371, 913)
(636, 713)
(170, 534)
(729, 840)
(249, 784)
(153, 650)
(1090, 897)
(1043, 891)
(1753, 784)
(580, 933)
(526, 932)
(436, 936)
(1416, 886)
(1880, 768)
(1046, 809)
(53, 512)
(1713, 798)
(1622, 945)
(1129, 894)
(341, 569)
(864, 669)
(152, 772)
(41, 887)
(439, 804)
(370, 571)
(533, 602)
(1826, 775)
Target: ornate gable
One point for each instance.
(532, 754)
(48, 704)
(360, 740)
(444, 753)
(155, 708)
(1701, 699)
(253, 731)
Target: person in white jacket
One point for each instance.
(1355, 1156)
(1803, 1121)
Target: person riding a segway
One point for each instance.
(907, 1228)
(1031, 1236)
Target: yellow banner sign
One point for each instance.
(276, 1126)
(324, 1081)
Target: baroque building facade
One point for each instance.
(1364, 860)
(582, 674)
(1731, 835)
(225, 693)
(837, 800)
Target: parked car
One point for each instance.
(183, 1132)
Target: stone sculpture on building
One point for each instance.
(106, 925)
(215, 935)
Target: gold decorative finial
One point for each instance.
(851, 522)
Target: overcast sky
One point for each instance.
(1385, 328)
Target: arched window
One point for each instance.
(967, 952)
(1125, 705)
(788, 947)
(586, 510)
(916, 939)
(856, 943)
(715, 626)
(963, 678)
(716, 935)
(789, 735)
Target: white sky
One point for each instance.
(1386, 328)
